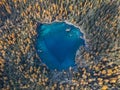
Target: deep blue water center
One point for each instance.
(57, 43)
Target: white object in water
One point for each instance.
(67, 30)
(40, 51)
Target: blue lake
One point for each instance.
(57, 43)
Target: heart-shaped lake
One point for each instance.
(57, 43)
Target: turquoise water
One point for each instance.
(57, 43)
